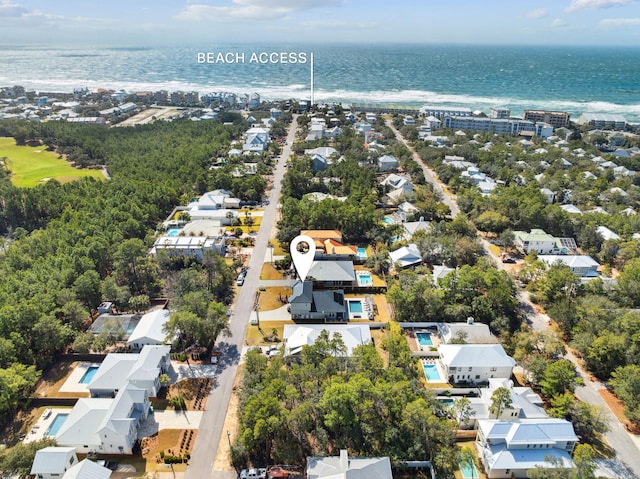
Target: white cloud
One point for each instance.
(537, 13)
(595, 4)
(252, 9)
(558, 23)
(619, 22)
(8, 9)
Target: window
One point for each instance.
(470, 369)
(494, 369)
(477, 376)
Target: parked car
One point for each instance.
(112, 465)
(509, 259)
(254, 473)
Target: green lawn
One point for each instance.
(31, 165)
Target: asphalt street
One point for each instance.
(211, 431)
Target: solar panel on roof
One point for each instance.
(568, 243)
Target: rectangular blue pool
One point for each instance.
(365, 280)
(56, 424)
(362, 253)
(469, 471)
(88, 375)
(355, 306)
(424, 339)
(432, 373)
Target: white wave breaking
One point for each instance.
(344, 95)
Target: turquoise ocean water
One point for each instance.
(575, 79)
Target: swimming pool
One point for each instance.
(446, 402)
(365, 279)
(424, 339)
(56, 424)
(387, 220)
(432, 373)
(355, 306)
(173, 231)
(88, 375)
(469, 471)
(362, 253)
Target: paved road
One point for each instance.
(627, 448)
(429, 174)
(210, 432)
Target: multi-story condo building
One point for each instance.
(557, 119)
(511, 126)
(441, 111)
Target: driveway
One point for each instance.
(210, 431)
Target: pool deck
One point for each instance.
(42, 425)
(73, 384)
(412, 339)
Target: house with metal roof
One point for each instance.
(332, 273)
(149, 330)
(406, 256)
(537, 240)
(581, 265)
(106, 425)
(142, 370)
(511, 448)
(525, 403)
(52, 462)
(345, 467)
(295, 336)
(475, 363)
(87, 469)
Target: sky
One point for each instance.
(207, 23)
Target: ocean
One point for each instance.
(574, 79)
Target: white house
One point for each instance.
(537, 240)
(580, 265)
(571, 209)
(387, 163)
(549, 196)
(511, 448)
(52, 462)
(409, 120)
(190, 246)
(142, 370)
(406, 256)
(106, 425)
(525, 403)
(149, 330)
(475, 363)
(440, 271)
(397, 186)
(345, 467)
(87, 469)
(410, 228)
(256, 140)
(296, 336)
(606, 233)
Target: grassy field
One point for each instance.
(31, 165)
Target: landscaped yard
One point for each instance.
(32, 165)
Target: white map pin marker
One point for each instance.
(303, 250)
